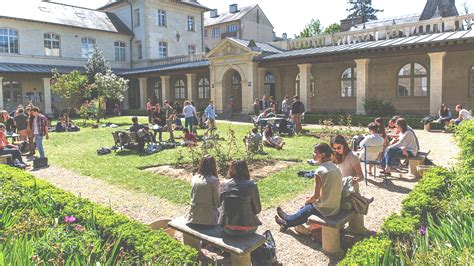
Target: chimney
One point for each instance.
(214, 13)
(233, 8)
(285, 36)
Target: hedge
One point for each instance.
(367, 252)
(356, 120)
(18, 189)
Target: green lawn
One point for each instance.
(77, 151)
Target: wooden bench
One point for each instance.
(239, 247)
(5, 158)
(414, 161)
(127, 141)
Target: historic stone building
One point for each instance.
(415, 62)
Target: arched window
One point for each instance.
(348, 82)
(269, 78)
(312, 86)
(179, 89)
(52, 44)
(204, 89)
(87, 45)
(471, 84)
(8, 41)
(119, 51)
(412, 80)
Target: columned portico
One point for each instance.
(436, 81)
(165, 85)
(191, 86)
(305, 85)
(143, 92)
(362, 73)
(47, 95)
(1, 93)
(261, 83)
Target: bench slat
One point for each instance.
(335, 221)
(216, 237)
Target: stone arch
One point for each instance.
(233, 82)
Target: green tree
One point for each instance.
(364, 9)
(108, 87)
(312, 29)
(96, 64)
(71, 87)
(333, 28)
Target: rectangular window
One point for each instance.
(8, 41)
(191, 24)
(420, 86)
(205, 33)
(161, 18)
(87, 46)
(119, 51)
(191, 49)
(51, 44)
(216, 32)
(140, 50)
(232, 28)
(162, 50)
(404, 87)
(136, 17)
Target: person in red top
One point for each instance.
(189, 138)
(149, 111)
(7, 148)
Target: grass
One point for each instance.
(77, 151)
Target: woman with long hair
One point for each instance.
(205, 194)
(270, 140)
(346, 160)
(326, 197)
(240, 201)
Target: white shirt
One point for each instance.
(189, 111)
(465, 114)
(371, 140)
(35, 126)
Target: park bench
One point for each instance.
(414, 161)
(4, 159)
(125, 140)
(238, 247)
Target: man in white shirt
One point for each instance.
(463, 115)
(189, 112)
(371, 140)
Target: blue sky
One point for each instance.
(292, 16)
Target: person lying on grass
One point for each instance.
(189, 138)
(270, 140)
(326, 197)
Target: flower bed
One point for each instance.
(435, 225)
(42, 224)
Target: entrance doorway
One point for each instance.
(11, 95)
(269, 86)
(233, 92)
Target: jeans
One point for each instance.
(39, 145)
(392, 155)
(16, 154)
(301, 216)
(160, 131)
(188, 121)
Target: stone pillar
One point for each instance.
(260, 86)
(126, 101)
(305, 85)
(142, 82)
(217, 90)
(362, 71)
(165, 88)
(192, 87)
(1, 93)
(250, 88)
(47, 95)
(436, 81)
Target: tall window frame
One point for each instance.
(136, 18)
(162, 50)
(204, 88)
(413, 80)
(52, 44)
(9, 41)
(191, 23)
(162, 18)
(191, 49)
(349, 82)
(216, 32)
(157, 87)
(139, 50)
(471, 81)
(179, 89)
(312, 85)
(120, 48)
(87, 46)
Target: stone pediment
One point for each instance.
(229, 47)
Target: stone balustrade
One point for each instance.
(173, 60)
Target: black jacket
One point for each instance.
(240, 203)
(297, 108)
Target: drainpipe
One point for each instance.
(203, 49)
(133, 33)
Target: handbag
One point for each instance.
(266, 253)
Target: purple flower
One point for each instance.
(69, 219)
(79, 228)
(423, 230)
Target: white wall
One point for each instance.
(251, 30)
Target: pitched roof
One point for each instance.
(372, 45)
(66, 15)
(184, 66)
(261, 47)
(192, 3)
(439, 8)
(227, 16)
(42, 69)
(387, 22)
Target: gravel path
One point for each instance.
(292, 249)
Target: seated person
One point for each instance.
(326, 197)
(373, 139)
(159, 122)
(177, 125)
(392, 131)
(444, 115)
(201, 120)
(189, 138)
(253, 141)
(7, 121)
(204, 195)
(381, 130)
(463, 115)
(60, 127)
(407, 145)
(240, 202)
(142, 133)
(270, 140)
(259, 120)
(7, 148)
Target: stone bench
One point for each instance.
(414, 161)
(239, 247)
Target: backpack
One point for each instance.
(103, 151)
(24, 147)
(266, 253)
(40, 162)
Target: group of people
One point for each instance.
(446, 118)
(31, 127)
(254, 140)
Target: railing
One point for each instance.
(235, 34)
(174, 60)
(448, 24)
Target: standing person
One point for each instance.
(240, 202)
(273, 104)
(444, 115)
(205, 194)
(149, 110)
(170, 119)
(210, 113)
(297, 109)
(463, 115)
(142, 133)
(256, 107)
(264, 103)
(231, 106)
(159, 121)
(21, 123)
(117, 109)
(29, 130)
(40, 129)
(285, 107)
(325, 200)
(189, 113)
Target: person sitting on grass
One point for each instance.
(7, 148)
(142, 133)
(463, 115)
(240, 202)
(205, 199)
(189, 138)
(270, 140)
(253, 141)
(177, 125)
(326, 197)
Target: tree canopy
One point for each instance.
(314, 28)
(72, 87)
(96, 64)
(364, 9)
